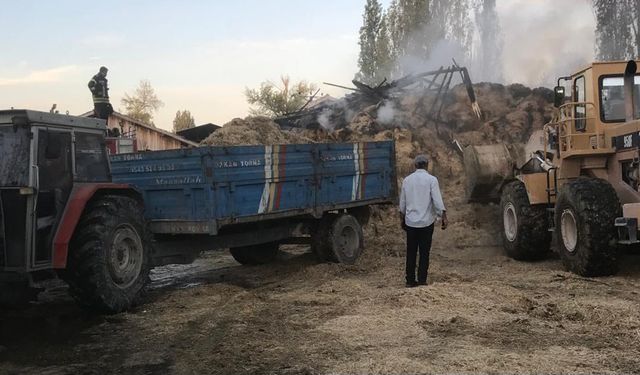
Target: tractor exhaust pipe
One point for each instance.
(629, 82)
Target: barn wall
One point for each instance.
(147, 139)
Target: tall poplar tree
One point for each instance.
(617, 29)
(371, 20)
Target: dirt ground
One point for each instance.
(481, 313)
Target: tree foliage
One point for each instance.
(408, 31)
(273, 101)
(183, 120)
(617, 29)
(143, 104)
(489, 52)
(369, 32)
(384, 56)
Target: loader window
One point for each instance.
(579, 95)
(612, 98)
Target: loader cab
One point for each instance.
(595, 103)
(43, 156)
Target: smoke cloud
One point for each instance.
(544, 39)
(386, 113)
(517, 41)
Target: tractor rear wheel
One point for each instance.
(109, 258)
(525, 234)
(255, 254)
(585, 213)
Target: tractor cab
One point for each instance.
(44, 156)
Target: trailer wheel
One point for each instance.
(255, 254)
(346, 239)
(109, 259)
(525, 234)
(320, 244)
(585, 214)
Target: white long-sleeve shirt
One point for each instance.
(420, 199)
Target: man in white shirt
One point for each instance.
(420, 206)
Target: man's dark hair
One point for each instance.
(421, 162)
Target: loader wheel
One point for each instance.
(109, 259)
(525, 234)
(585, 214)
(255, 254)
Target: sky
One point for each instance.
(201, 55)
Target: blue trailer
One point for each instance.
(253, 198)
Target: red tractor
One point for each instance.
(56, 194)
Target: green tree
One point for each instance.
(367, 60)
(408, 22)
(183, 120)
(489, 56)
(143, 104)
(384, 54)
(415, 26)
(273, 101)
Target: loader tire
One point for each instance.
(109, 258)
(585, 213)
(255, 254)
(525, 234)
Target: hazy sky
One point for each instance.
(200, 55)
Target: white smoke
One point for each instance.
(386, 113)
(441, 55)
(545, 39)
(528, 42)
(324, 119)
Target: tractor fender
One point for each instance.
(80, 195)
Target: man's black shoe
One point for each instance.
(411, 285)
(421, 283)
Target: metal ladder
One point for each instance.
(551, 193)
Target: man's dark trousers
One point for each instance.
(103, 110)
(418, 238)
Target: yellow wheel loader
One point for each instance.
(578, 177)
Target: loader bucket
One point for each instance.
(487, 168)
